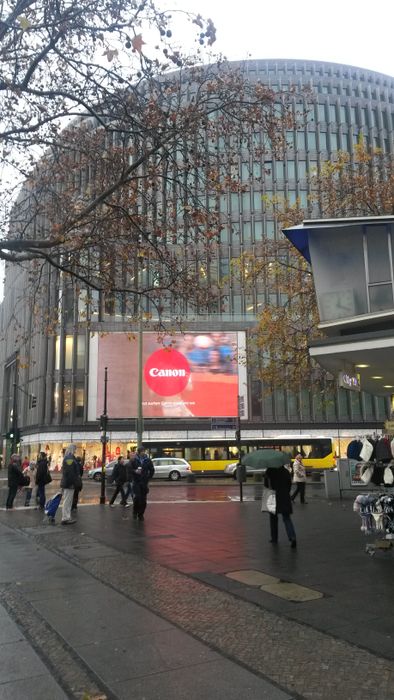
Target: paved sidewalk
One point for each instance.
(96, 642)
(181, 569)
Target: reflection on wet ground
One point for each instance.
(165, 492)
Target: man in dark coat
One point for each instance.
(142, 471)
(70, 481)
(78, 489)
(119, 476)
(15, 479)
(280, 481)
(43, 478)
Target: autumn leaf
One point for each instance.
(110, 54)
(137, 43)
(24, 23)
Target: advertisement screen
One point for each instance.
(185, 376)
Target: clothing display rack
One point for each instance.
(377, 517)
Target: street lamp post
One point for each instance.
(104, 421)
(14, 426)
(140, 418)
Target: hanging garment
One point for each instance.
(354, 449)
(377, 477)
(392, 447)
(366, 451)
(383, 450)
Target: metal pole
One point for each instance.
(104, 419)
(238, 438)
(14, 441)
(140, 419)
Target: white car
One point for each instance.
(172, 468)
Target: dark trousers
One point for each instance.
(28, 494)
(139, 503)
(11, 496)
(300, 488)
(75, 499)
(41, 495)
(119, 489)
(288, 523)
(129, 490)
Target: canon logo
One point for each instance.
(156, 372)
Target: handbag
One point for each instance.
(366, 476)
(268, 502)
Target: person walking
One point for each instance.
(279, 480)
(30, 471)
(15, 479)
(70, 481)
(119, 476)
(142, 470)
(299, 478)
(78, 489)
(43, 478)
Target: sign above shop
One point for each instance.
(349, 381)
(389, 426)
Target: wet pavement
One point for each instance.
(310, 621)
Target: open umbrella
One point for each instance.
(265, 459)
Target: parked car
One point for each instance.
(172, 468)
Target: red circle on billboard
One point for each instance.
(167, 372)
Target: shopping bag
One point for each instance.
(366, 476)
(268, 503)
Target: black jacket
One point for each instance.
(280, 481)
(15, 476)
(141, 478)
(119, 474)
(70, 473)
(42, 472)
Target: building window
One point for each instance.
(67, 400)
(56, 401)
(57, 352)
(81, 350)
(68, 353)
(79, 401)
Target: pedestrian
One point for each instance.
(78, 489)
(25, 464)
(30, 471)
(119, 476)
(43, 478)
(280, 481)
(15, 479)
(142, 470)
(129, 483)
(70, 481)
(299, 478)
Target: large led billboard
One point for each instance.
(184, 376)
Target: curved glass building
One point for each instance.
(63, 371)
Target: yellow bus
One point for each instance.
(211, 457)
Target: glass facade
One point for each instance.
(345, 103)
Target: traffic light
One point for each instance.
(103, 422)
(33, 401)
(15, 436)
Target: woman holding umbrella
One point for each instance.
(278, 478)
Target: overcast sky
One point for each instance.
(354, 32)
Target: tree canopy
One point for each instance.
(361, 184)
(123, 158)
